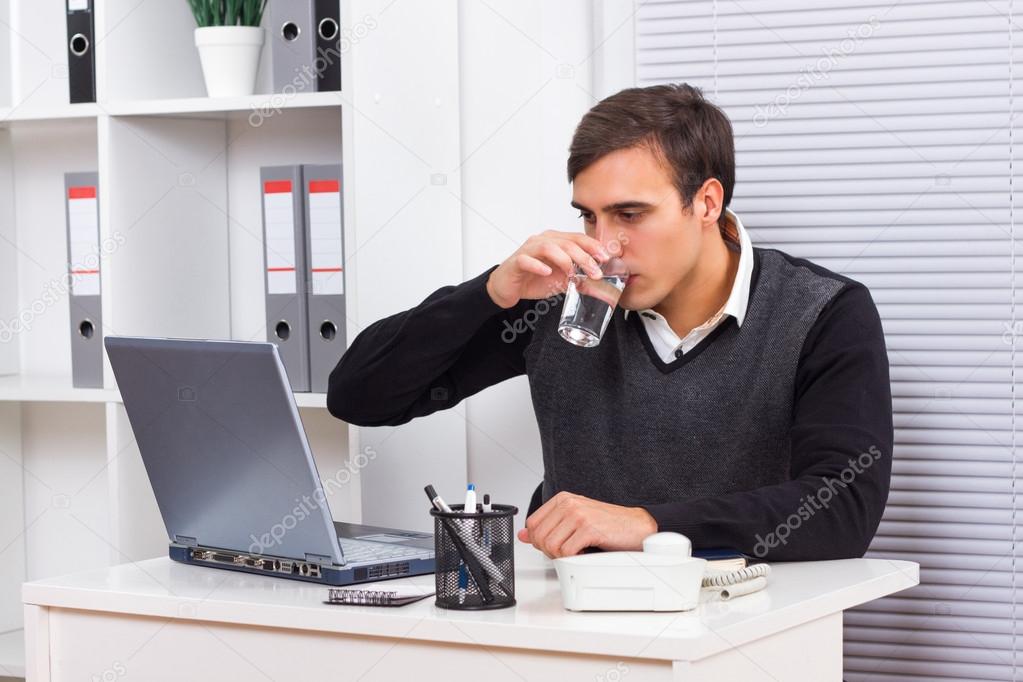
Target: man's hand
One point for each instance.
(567, 523)
(540, 268)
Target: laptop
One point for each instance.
(224, 447)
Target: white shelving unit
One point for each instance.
(179, 191)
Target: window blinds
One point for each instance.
(874, 138)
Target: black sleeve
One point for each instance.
(452, 345)
(841, 443)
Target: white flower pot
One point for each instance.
(230, 58)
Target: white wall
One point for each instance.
(463, 116)
(408, 238)
(525, 82)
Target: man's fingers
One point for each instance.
(585, 260)
(537, 518)
(527, 263)
(560, 514)
(591, 245)
(543, 510)
(581, 538)
(553, 254)
(557, 537)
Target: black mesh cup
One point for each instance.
(489, 540)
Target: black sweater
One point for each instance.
(834, 406)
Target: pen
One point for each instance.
(486, 524)
(463, 582)
(436, 500)
(470, 500)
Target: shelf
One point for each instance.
(57, 389)
(12, 654)
(19, 113)
(265, 103)
(311, 400)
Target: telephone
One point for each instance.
(665, 576)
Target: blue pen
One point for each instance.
(463, 582)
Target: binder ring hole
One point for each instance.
(79, 44)
(328, 29)
(290, 31)
(86, 329)
(328, 330)
(283, 330)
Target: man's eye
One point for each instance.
(631, 217)
(588, 217)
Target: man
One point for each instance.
(740, 396)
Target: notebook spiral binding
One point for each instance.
(350, 596)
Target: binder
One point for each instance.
(324, 236)
(294, 43)
(327, 59)
(284, 251)
(81, 54)
(82, 211)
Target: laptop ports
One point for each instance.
(309, 570)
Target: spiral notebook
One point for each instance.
(396, 597)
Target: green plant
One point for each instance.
(227, 12)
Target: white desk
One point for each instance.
(158, 620)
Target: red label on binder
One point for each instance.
(81, 193)
(277, 186)
(316, 186)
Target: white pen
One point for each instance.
(486, 524)
(470, 500)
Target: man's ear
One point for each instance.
(712, 196)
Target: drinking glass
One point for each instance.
(589, 303)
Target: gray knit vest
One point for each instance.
(619, 426)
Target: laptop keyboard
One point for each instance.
(358, 551)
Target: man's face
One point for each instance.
(628, 197)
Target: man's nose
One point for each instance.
(606, 235)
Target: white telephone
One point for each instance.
(663, 577)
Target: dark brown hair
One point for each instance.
(689, 134)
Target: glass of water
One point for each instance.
(589, 303)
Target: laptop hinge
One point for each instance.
(318, 559)
(186, 541)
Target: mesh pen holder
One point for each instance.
(488, 539)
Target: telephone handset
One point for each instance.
(663, 577)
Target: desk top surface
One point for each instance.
(796, 593)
